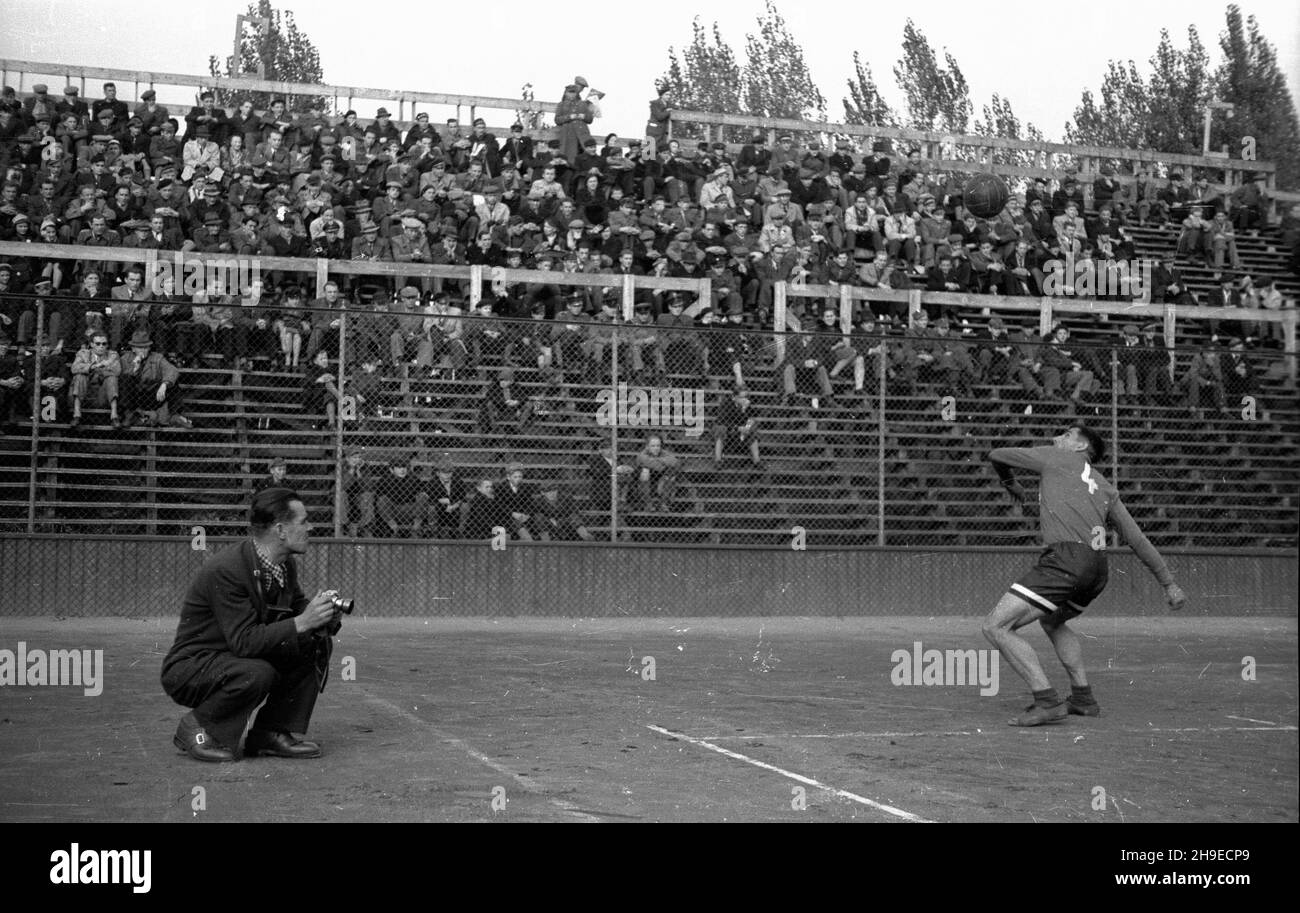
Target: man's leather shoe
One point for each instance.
(192, 739)
(279, 745)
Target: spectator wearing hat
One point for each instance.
(736, 428)
(557, 515)
(447, 497)
(95, 372)
(149, 385)
(201, 152)
(484, 148)
(165, 148)
(1061, 368)
(321, 392)
(411, 245)
(54, 383)
(1226, 295)
(518, 501)
(903, 238)
(995, 353)
(402, 500)
(152, 115)
(517, 148)
(1204, 375)
(1131, 359)
(358, 503)
(572, 117)
(277, 475)
(1250, 204)
(1222, 239)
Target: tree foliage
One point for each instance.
(1249, 77)
(777, 80)
(1000, 120)
(706, 77)
(865, 105)
(284, 51)
(937, 96)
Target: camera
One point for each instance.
(342, 605)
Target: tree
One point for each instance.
(1121, 117)
(1000, 120)
(705, 78)
(285, 52)
(937, 97)
(865, 104)
(1249, 78)
(777, 80)
(1163, 111)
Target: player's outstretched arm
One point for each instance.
(1004, 458)
(1133, 535)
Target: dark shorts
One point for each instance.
(1067, 577)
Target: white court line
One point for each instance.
(893, 735)
(1246, 719)
(798, 778)
(528, 785)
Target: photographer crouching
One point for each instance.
(248, 633)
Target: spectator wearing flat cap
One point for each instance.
(149, 385)
(401, 500)
(277, 475)
(206, 114)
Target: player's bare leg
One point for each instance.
(1009, 615)
(1069, 650)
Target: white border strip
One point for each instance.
(1032, 597)
(798, 778)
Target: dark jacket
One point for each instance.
(225, 611)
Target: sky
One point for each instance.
(495, 48)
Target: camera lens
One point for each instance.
(344, 605)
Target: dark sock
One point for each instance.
(1047, 698)
(1082, 694)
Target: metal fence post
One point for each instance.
(881, 377)
(778, 321)
(338, 429)
(36, 416)
(613, 431)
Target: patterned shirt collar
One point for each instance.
(275, 571)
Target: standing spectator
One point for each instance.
(95, 373)
(150, 385)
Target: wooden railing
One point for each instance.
(967, 152)
(321, 270)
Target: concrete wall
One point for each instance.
(50, 575)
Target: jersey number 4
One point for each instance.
(1086, 475)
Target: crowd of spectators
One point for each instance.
(247, 183)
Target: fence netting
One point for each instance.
(549, 413)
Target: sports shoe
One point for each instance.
(1038, 715)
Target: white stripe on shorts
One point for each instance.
(1033, 597)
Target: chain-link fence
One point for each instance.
(549, 412)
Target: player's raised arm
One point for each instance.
(1004, 459)
(1133, 535)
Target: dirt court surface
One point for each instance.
(558, 718)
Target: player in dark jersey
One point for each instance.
(1075, 505)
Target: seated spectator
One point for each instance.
(149, 385)
(1250, 205)
(558, 516)
(1204, 375)
(736, 428)
(996, 355)
(1238, 373)
(95, 373)
(1194, 238)
(1272, 300)
(401, 501)
(1157, 382)
(447, 500)
(1061, 367)
(12, 383)
(277, 470)
(290, 324)
(358, 495)
(1130, 357)
(503, 401)
(321, 391)
(484, 515)
(1223, 241)
(517, 500)
(656, 470)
